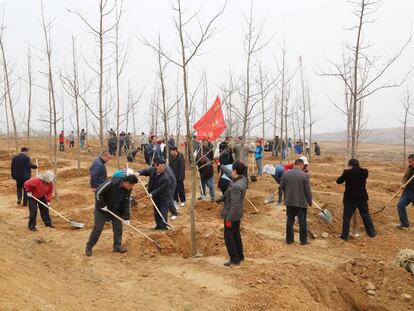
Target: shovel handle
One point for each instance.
(53, 210)
(153, 203)
(132, 227)
(251, 203)
(37, 167)
(394, 196)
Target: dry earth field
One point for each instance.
(47, 270)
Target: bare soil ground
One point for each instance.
(47, 270)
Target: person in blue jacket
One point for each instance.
(97, 171)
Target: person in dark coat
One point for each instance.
(207, 176)
(407, 196)
(21, 171)
(177, 164)
(317, 149)
(172, 207)
(355, 197)
(296, 187)
(97, 171)
(226, 154)
(113, 195)
(158, 188)
(153, 152)
(232, 212)
(112, 144)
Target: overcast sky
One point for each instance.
(313, 29)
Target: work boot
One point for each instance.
(50, 226)
(120, 249)
(18, 202)
(231, 263)
(33, 229)
(88, 251)
(305, 243)
(401, 227)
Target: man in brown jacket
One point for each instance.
(295, 185)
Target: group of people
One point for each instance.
(280, 147)
(166, 189)
(70, 140)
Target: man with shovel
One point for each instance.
(159, 191)
(295, 185)
(407, 196)
(40, 188)
(355, 197)
(113, 195)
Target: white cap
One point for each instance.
(305, 160)
(129, 172)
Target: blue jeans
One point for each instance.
(210, 184)
(405, 200)
(259, 163)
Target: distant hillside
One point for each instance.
(389, 136)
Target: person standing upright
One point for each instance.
(407, 196)
(177, 164)
(21, 171)
(241, 153)
(232, 212)
(355, 197)
(317, 149)
(258, 156)
(72, 140)
(143, 141)
(61, 141)
(296, 187)
(82, 138)
(97, 171)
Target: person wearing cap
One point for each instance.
(113, 195)
(41, 188)
(232, 212)
(296, 187)
(355, 197)
(123, 172)
(21, 171)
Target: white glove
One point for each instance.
(29, 194)
(127, 222)
(137, 174)
(104, 209)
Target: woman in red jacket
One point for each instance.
(40, 188)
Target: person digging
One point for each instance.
(232, 212)
(407, 196)
(355, 197)
(113, 195)
(296, 187)
(41, 188)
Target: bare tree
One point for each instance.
(46, 28)
(7, 95)
(100, 32)
(362, 74)
(406, 105)
(29, 95)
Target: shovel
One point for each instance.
(136, 229)
(394, 196)
(73, 224)
(256, 211)
(325, 214)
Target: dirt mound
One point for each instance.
(72, 173)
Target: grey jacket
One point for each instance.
(241, 153)
(295, 185)
(234, 197)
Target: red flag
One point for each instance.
(212, 124)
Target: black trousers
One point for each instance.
(349, 210)
(163, 206)
(44, 212)
(292, 212)
(71, 144)
(61, 146)
(21, 193)
(234, 242)
(180, 192)
(223, 185)
(100, 219)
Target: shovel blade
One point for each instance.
(77, 225)
(326, 216)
